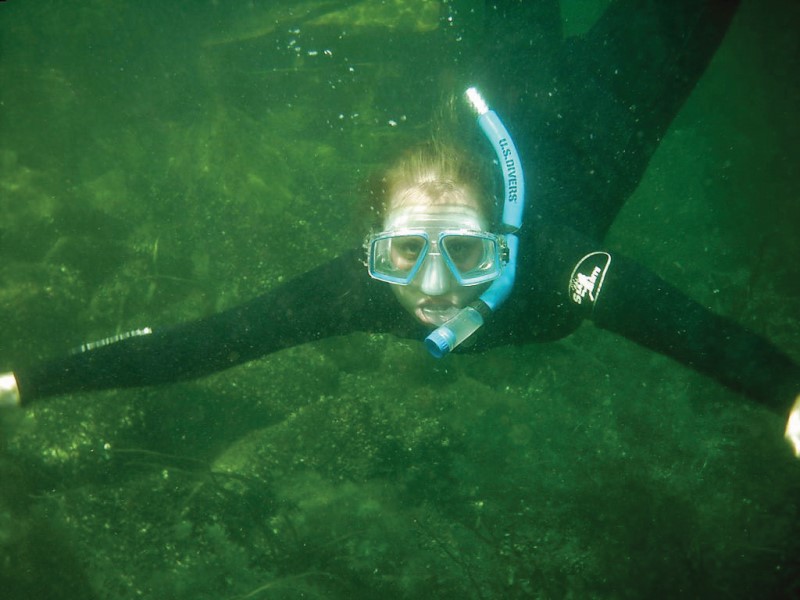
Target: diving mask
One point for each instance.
(472, 256)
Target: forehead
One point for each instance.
(431, 188)
(435, 217)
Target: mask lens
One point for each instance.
(474, 258)
(396, 258)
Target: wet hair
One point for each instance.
(436, 173)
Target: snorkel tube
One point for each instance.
(467, 321)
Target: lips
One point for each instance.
(436, 313)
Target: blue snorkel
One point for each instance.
(449, 335)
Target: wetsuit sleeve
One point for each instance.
(622, 85)
(639, 305)
(333, 299)
(565, 277)
(591, 109)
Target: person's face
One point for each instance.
(434, 296)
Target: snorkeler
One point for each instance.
(443, 247)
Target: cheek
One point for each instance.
(467, 295)
(407, 294)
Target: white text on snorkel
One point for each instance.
(511, 169)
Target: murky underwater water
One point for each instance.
(160, 163)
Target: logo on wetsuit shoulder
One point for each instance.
(587, 277)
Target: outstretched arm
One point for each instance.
(333, 299)
(639, 305)
(565, 277)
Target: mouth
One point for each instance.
(436, 313)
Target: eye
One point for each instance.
(406, 250)
(409, 247)
(465, 252)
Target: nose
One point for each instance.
(435, 278)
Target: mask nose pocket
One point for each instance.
(435, 278)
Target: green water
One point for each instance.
(163, 161)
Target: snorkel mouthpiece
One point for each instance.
(446, 337)
(469, 319)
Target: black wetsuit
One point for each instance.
(634, 70)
